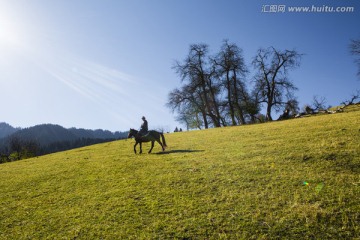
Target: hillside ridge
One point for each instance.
(285, 179)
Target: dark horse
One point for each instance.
(151, 136)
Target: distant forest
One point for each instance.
(17, 144)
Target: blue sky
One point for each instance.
(106, 63)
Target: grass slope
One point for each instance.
(291, 179)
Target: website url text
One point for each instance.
(308, 9)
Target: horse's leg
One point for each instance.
(135, 147)
(162, 146)
(152, 146)
(140, 147)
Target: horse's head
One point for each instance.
(132, 133)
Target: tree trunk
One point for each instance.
(216, 117)
(206, 124)
(236, 100)
(230, 99)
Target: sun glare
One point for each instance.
(9, 34)
(10, 26)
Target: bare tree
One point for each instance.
(230, 67)
(214, 91)
(272, 77)
(190, 118)
(355, 50)
(291, 109)
(354, 97)
(196, 71)
(188, 103)
(319, 103)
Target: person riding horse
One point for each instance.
(151, 136)
(144, 127)
(144, 135)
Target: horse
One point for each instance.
(151, 136)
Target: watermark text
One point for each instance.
(272, 8)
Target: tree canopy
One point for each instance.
(216, 90)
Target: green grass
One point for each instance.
(296, 179)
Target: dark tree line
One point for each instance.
(16, 148)
(48, 138)
(216, 92)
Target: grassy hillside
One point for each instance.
(291, 179)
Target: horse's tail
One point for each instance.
(163, 139)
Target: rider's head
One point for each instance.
(143, 118)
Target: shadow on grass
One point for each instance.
(180, 151)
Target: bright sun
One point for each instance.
(8, 33)
(10, 27)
